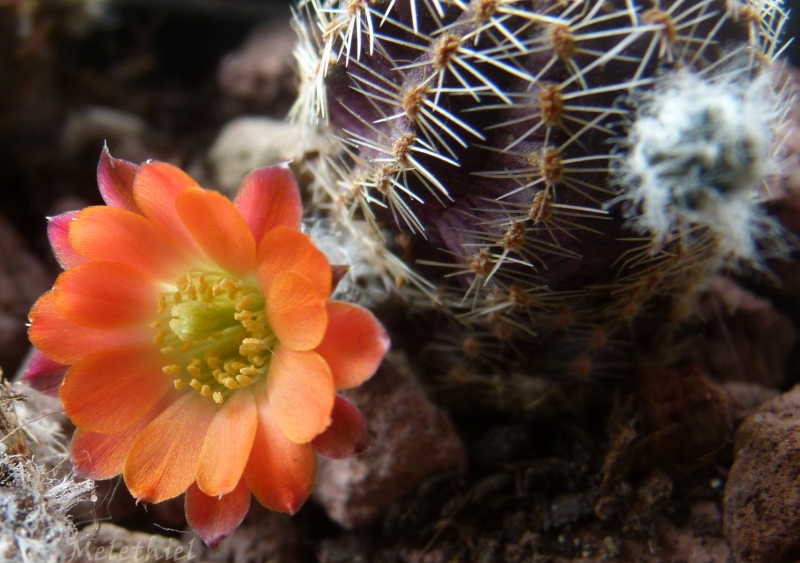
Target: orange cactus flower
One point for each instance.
(197, 343)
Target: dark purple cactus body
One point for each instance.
(486, 145)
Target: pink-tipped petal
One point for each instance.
(286, 250)
(279, 472)
(301, 393)
(227, 444)
(156, 187)
(215, 518)
(269, 198)
(43, 374)
(162, 462)
(347, 434)
(107, 391)
(297, 312)
(106, 295)
(219, 229)
(115, 180)
(102, 456)
(354, 344)
(66, 342)
(58, 233)
(117, 235)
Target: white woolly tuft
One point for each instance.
(699, 154)
(35, 496)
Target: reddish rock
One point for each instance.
(746, 338)
(686, 416)
(762, 494)
(410, 439)
(261, 71)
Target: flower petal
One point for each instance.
(43, 374)
(155, 188)
(102, 456)
(163, 460)
(296, 312)
(66, 342)
(227, 444)
(286, 250)
(105, 295)
(354, 344)
(269, 198)
(115, 180)
(279, 472)
(117, 235)
(216, 518)
(347, 434)
(58, 233)
(109, 390)
(219, 229)
(301, 393)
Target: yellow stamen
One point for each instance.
(158, 339)
(212, 358)
(223, 318)
(250, 346)
(244, 302)
(249, 371)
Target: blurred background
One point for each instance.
(154, 79)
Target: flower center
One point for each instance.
(214, 330)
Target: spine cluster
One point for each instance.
(547, 173)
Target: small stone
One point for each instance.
(570, 509)
(705, 518)
(655, 491)
(410, 440)
(87, 129)
(686, 415)
(261, 71)
(114, 543)
(247, 143)
(747, 397)
(746, 338)
(762, 496)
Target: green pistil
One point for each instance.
(218, 338)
